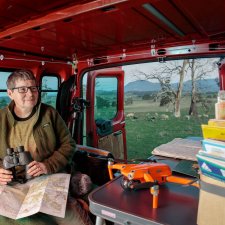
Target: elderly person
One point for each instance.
(41, 130)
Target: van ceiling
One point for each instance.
(61, 28)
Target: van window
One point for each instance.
(4, 99)
(106, 98)
(49, 89)
(157, 112)
(84, 95)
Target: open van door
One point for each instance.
(105, 121)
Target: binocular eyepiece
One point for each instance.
(17, 157)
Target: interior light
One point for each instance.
(36, 28)
(108, 8)
(162, 18)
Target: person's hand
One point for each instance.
(36, 169)
(5, 176)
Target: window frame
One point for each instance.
(5, 90)
(50, 90)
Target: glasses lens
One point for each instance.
(22, 89)
(33, 89)
(25, 89)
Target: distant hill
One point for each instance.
(142, 85)
(207, 85)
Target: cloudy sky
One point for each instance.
(153, 66)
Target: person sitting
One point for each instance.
(41, 130)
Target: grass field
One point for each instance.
(147, 129)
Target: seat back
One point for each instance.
(63, 100)
(93, 162)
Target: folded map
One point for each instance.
(46, 194)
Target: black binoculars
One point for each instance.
(17, 157)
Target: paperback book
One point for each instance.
(214, 147)
(211, 165)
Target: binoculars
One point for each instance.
(15, 158)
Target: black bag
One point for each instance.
(94, 165)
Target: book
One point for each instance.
(214, 147)
(213, 132)
(216, 123)
(211, 166)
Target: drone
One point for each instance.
(147, 175)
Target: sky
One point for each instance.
(52, 81)
(148, 68)
(4, 76)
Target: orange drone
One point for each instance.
(147, 175)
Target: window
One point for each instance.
(105, 98)
(4, 99)
(49, 89)
(84, 90)
(154, 113)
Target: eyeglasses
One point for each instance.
(25, 89)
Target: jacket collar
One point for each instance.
(10, 111)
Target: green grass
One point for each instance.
(148, 130)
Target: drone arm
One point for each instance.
(180, 180)
(148, 177)
(110, 172)
(111, 167)
(154, 190)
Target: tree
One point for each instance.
(199, 69)
(146, 97)
(182, 71)
(44, 87)
(129, 101)
(3, 103)
(102, 102)
(194, 69)
(164, 75)
(166, 93)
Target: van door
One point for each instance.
(105, 121)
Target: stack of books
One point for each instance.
(211, 159)
(215, 129)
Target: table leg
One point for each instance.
(99, 221)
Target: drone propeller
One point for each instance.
(125, 160)
(144, 160)
(137, 160)
(116, 160)
(135, 184)
(83, 154)
(194, 182)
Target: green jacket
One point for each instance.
(55, 146)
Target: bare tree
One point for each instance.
(199, 69)
(195, 69)
(164, 75)
(181, 71)
(163, 78)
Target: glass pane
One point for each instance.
(106, 98)
(4, 99)
(84, 88)
(49, 90)
(164, 101)
(49, 83)
(4, 77)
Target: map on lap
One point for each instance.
(47, 194)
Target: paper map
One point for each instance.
(179, 148)
(46, 194)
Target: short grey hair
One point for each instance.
(19, 75)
